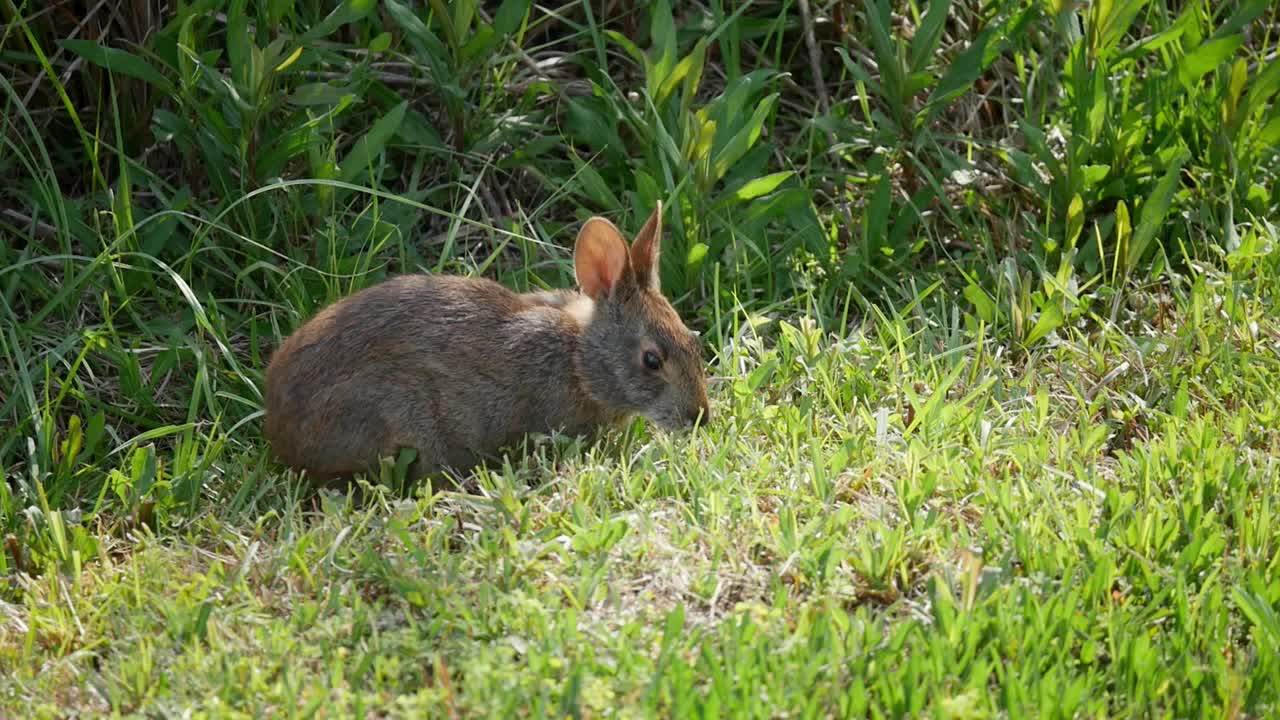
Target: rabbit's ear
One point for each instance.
(600, 258)
(645, 249)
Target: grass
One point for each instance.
(895, 521)
(989, 294)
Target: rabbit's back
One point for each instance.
(453, 367)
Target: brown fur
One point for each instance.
(460, 368)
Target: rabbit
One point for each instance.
(460, 368)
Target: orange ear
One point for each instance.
(600, 258)
(645, 250)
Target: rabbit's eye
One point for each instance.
(652, 361)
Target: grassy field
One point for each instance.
(989, 291)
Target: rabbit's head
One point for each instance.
(636, 355)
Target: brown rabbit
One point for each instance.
(461, 368)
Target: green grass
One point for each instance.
(991, 307)
(892, 521)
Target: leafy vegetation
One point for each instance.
(989, 292)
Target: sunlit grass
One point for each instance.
(990, 308)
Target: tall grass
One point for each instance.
(186, 185)
(950, 193)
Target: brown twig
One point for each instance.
(41, 229)
(815, 60)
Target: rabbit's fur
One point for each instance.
(461, 368)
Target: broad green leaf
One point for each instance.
(858, 72)
(662, 33)
(730, 107)
(744, 139)
(963, 72)
(93, 434)
(1231, 239)
(1264, 85)
(1097, 101)
(662, 29)
(909, 215)
(627, 46)
(778, 204)
(1154, 210)
(761, 186)
(1245, 14)
(1174, 32)
(1262, 616)
(1205, 58)
(482, 41)
(422, 39)
(238, 42)
(122, 203)
(1050, 319)
(357, 9)
(293, 58)
(1239, 76)
(70, 446)
(372, 143)
(593, 185)
(441, 12)
(587, 120)
(1075, 220)
(117, 60)
(407, 20)
(1269, 135)
(188, 59)
(697, 252)
(877, 217)
(917, 82)
(1113, 20)
(348, 11)
(380, 43)
(691, 64)
(762, 374)
(673, 632)
(647, 191)
(1181, 401)
(701, 137)
(257, 67)
(215, 163)
(887, 54)
(272, 159)
(143, 471)
(463, 12)
(665, 143)
(983, 305)
(313, 94)
(925, 42)
(278, 10)
(693, 78)
(1095, 174)
(510, 15)
(1124, 228)
(417, 131)
(1038, 142)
